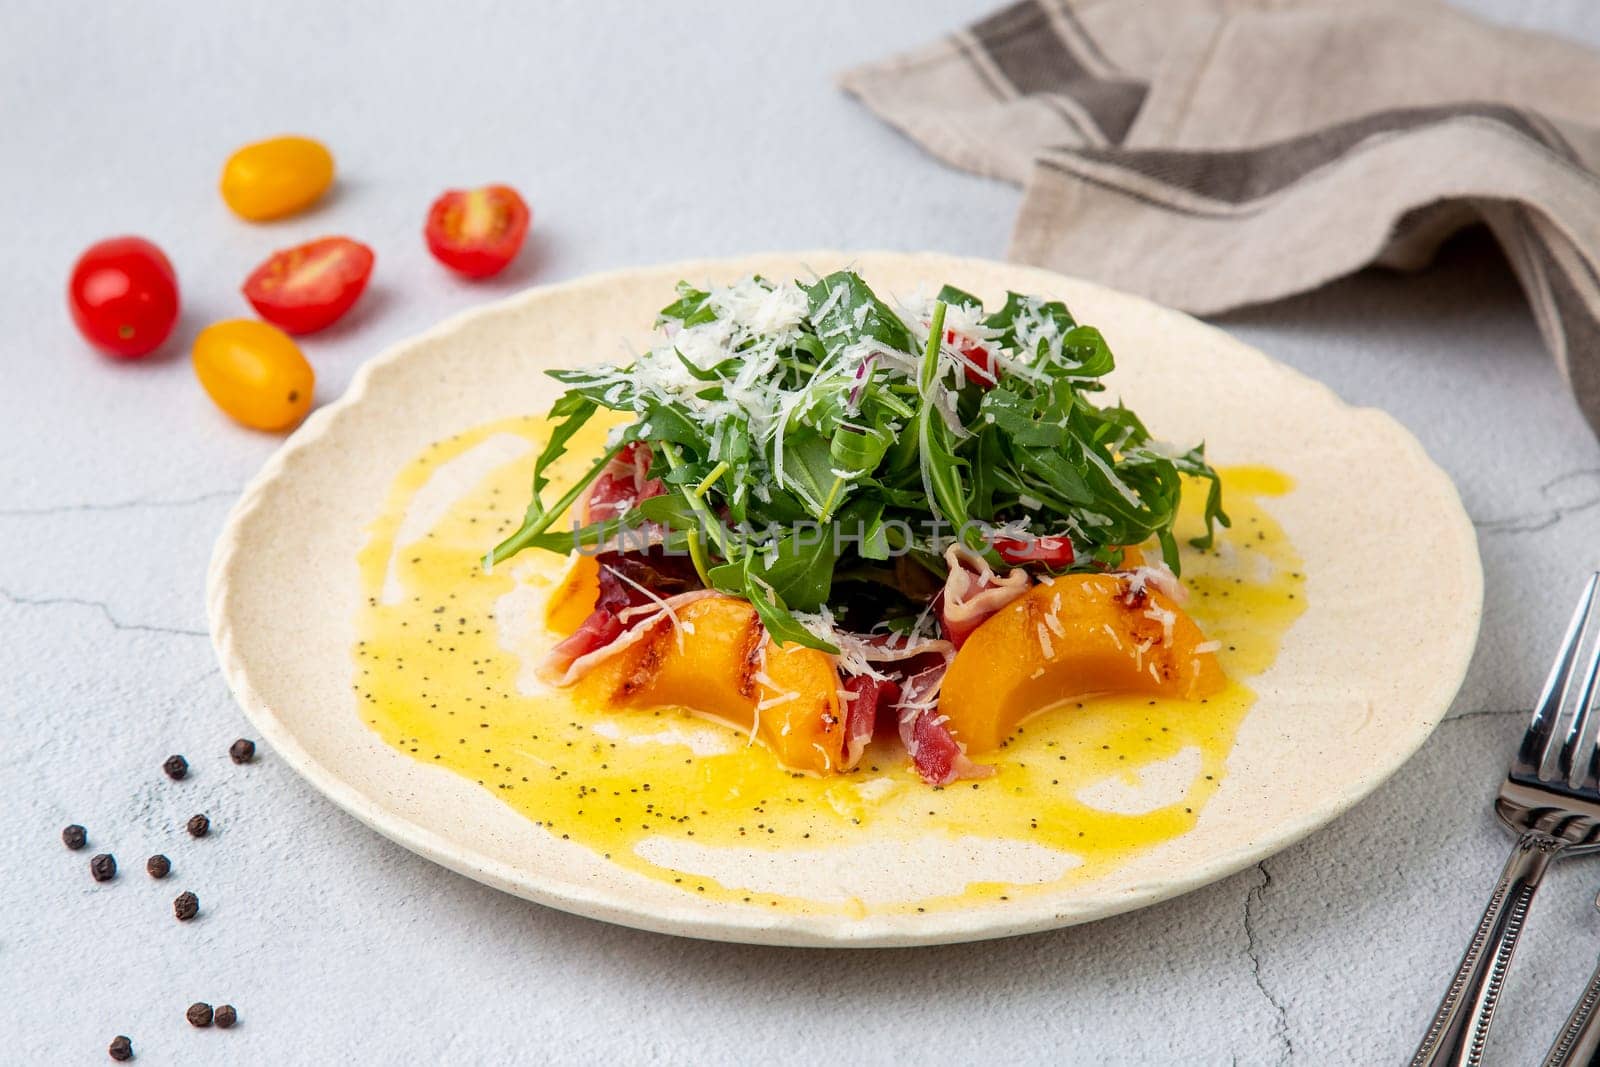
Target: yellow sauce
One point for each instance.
(435, 680)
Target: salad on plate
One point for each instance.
(822, 517)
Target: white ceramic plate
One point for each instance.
(1361, 680)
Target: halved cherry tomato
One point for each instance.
(255, 373)
(308, 287)
(124, 296)
(476, 232)
(276, 177)
(1051, 551)
(977, 362)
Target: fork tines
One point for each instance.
(1559, 748)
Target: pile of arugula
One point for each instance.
(776, 413)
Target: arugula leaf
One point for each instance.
(845, 311)
(540, 519)
(692, 308)
(665, 422)
(711, 374)
(808, 466)
(941, 467)
(781, 625)
(949, 294)
(671, 510)
(862, 524)
(798, 568)
(1018, 306)
(1085, 347)
(858, 450)
(1193, 463)
(573, 412)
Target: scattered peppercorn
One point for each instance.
(74, 837)
(199, 826)
(242, 750)
(103, 867)
(199, 1014)
(177, 768)
(158, 866)
(225, 1016)
(186, 906)
(121, 1048)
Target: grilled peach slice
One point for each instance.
(573, 598)
(719, 662)
(1078, 635)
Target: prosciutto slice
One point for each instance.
(974, 591)
(938, 757)
(935, 752)
(590, 644)
(864, 696)
(573, 658)
(894, 648)
(623, 483)
(650, 584)
(597, 631)
(896, 688)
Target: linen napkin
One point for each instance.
(1215, 153)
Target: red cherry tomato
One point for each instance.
(124, 296)
(307, 288)
(979, 364)
(1051, 551)
(476, 232)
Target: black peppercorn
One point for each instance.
(242, 750)
(177, 768)
(75, 837)
(186, 906)
(199, 1014)
(158, 866)
(103, 867)
(199, 826)
(121, 1048)
(225, 1016)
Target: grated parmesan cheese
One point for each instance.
(1165, 618)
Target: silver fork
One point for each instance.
(1551, 801)
(1579, 1040)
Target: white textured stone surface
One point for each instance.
(640, 135)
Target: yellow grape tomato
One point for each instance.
(255, 373)
(276, 177)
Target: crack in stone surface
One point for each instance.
(104, 609)
(1488, 713)
(121, 505)
(1544, 520)
(1252, 950)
